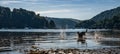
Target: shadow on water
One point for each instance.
(108, 38)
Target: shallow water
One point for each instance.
(94, 39)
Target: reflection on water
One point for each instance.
(108, 38)
(91, 40)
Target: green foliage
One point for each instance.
(52, 24)
(85, 24)
(109, 19)
(21, 18)
(108, 14)
(112, 23)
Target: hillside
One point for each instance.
(112, 23)
(108, 19)
(64, 22)
(108, 14)
(22, 19)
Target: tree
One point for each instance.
(52, 24)
(21, 18)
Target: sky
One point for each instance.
(76, 9)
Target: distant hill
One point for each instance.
(64, 22)
(112, 23)
(25, 19)
(109, 19)
(108, 14)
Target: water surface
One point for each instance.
(54, 39)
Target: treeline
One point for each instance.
(21, 18)
(113, 23)
(109, 19)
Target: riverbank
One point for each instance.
(76, 51)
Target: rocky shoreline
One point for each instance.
(115, 50)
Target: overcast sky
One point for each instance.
(77, 9)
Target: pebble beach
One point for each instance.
(115, 50)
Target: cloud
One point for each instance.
(68, 5)
(33, 0)
(53, 11)
(9, 2)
